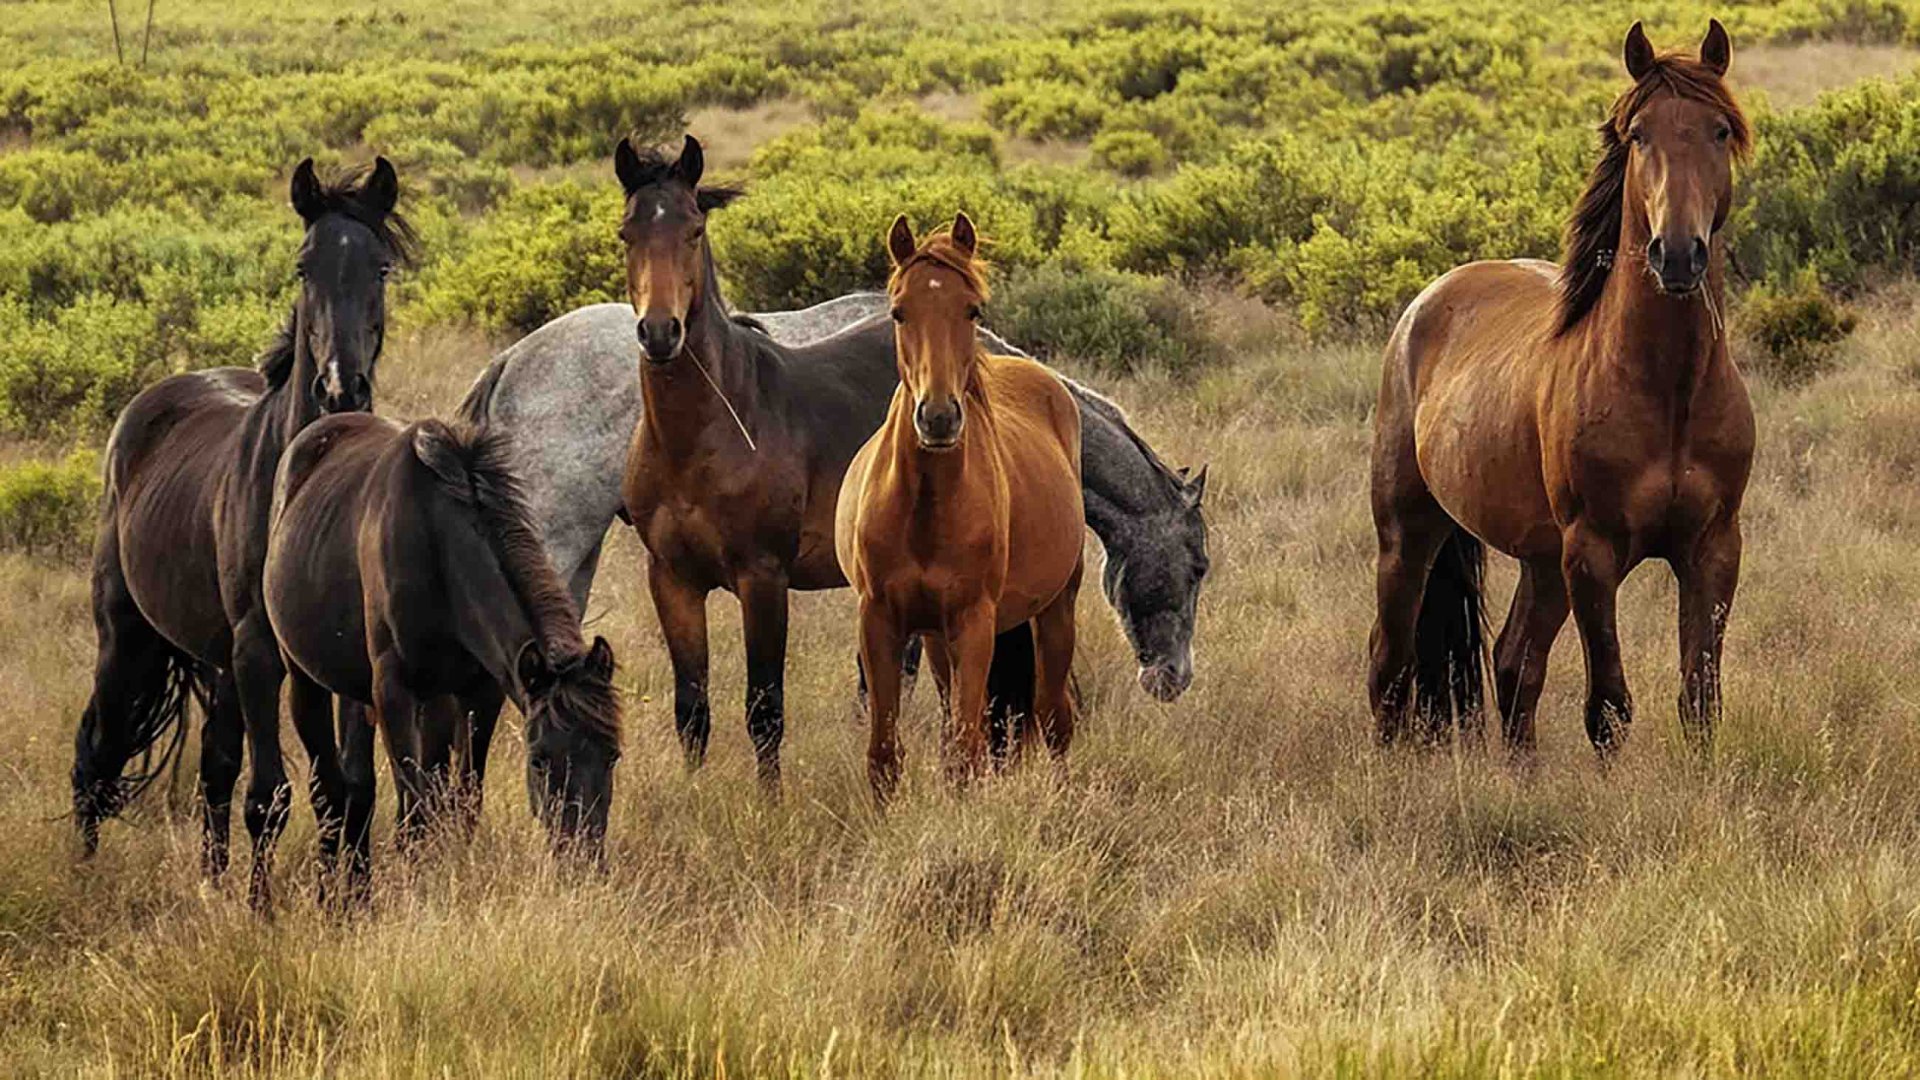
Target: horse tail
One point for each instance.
(478, 403)
(1450, 641)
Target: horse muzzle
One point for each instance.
(937, 425)
(1678, 267)
(661, 339)
(350, 395)
(1166, 681)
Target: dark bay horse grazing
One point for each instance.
(961, 517)
(1580, 418)
(404, 573)
(189, 479)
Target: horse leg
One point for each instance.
(763, 617)
(1410, 533)
(1053, 637)
(1707, 583)
(481, 707)
(357, 773)
(440, 720)
(1520, 655)
(970, 642)
(311, 707)
(880, 643)
(258, 672)
(1010, 693)
(1593, 568)
(222, 748)
(682, 610)
(396, 715)
(580, 582)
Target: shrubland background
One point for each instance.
(1211, 210)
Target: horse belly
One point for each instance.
(1480, 457)
(167, 557)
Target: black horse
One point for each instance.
(183, 531)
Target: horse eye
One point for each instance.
(385, 270)
(898, 315)
(973, 312)
(694, 236)
(1722, 133)
(300, 272)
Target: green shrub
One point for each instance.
(1045, 109)
(1796, 330)
(542, 252)
(1116, 321)
(50, 507)
(1129, 153)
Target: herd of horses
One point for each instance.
(263, 530)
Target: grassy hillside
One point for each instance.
(1208, 210)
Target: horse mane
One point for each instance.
(939, 248)
(473, 465)
(1112, 412)
(1594, 228)
(344, 193)
(275, 362)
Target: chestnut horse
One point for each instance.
(1580, 418)
(406, 574)
(183, 530)
(961, 518)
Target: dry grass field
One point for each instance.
(1238, 884)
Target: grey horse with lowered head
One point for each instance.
(570, 394)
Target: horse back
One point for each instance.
(166, 458)
(313, 579)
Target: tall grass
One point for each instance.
(1237, 884)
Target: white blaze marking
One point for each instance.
(933, 283)
(659, 211)
(333, 378)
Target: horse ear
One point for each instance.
(531, 667)
(382, 189)
(600, 658)
(626, 166)
(709, 199)
(1638, 53)
(1196, 487)
(1716, 50)
(306, 192)
(900, 242)
(693, 162)
(963, 235)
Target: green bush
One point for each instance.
(543, 252)
(1129, 153)
(1796, 330)
(1118, 322)
(50, 507)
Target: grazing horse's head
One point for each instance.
(665, 233)
(936, 291)
(1664, 183)
(573, 743)
(354, 240)
(1155, 587)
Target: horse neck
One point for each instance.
(1665, 343)
(677, 403)
(1122, 485)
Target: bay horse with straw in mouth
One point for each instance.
(183, 530)
(405, 573)
(1580, 418)
(961, 518)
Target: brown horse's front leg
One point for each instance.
(970, 645)
(1053, 642)
(1520, 655)
(1707, 583)
(880, 642)
(1593, 568)
(682, 609)
(763, 618)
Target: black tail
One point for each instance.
(475, 407)
(1450, 642)
(148, 724)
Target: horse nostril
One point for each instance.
(640, 331)
(1699, 261)
(319, 387)
(673, 329)
(1656, 253)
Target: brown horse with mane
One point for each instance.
(405, 573)
(961, 518)
(1580, 418)
(183, 530)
